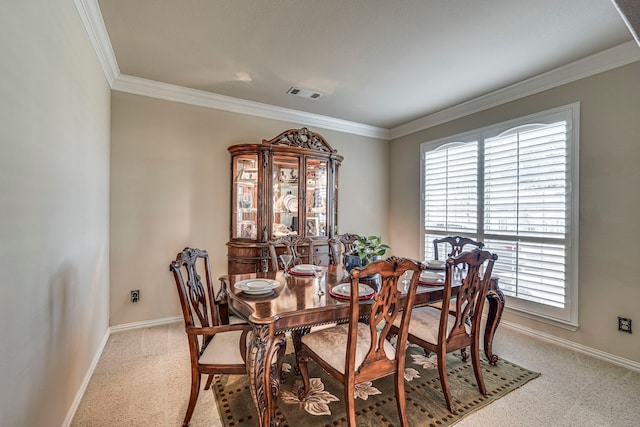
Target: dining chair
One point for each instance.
(340, 244)
(457, 244)
(292, 244)
(442, 332)
(213, 348)
(360, 350)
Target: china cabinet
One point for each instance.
(285, 185)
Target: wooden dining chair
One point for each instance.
(292, 244)
(360, 350)
(457, 244)
(213, 348)
(340, 244)
(440, 331)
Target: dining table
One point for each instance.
(296, 303)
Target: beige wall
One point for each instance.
(54, 196)
(170, 189)
(609, 202)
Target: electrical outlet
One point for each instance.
(624, 325)
(135, 296)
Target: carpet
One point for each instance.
(375, 402)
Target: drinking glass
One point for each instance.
(319, 273)
(286, 261)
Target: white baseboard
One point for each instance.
(85, 382)
(145, 324)
(589, 351)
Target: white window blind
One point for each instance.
(451, 188)
(525, 202)
(515, 190)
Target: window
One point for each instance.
(513, 186)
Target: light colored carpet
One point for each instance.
(142, 379)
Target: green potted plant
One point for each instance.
(364, 250)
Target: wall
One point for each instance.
(609, 205)
(170, 183)
(54, 195)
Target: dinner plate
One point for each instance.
(304, 269)
(435, 263)
(290, 202)
(257, 286)
(343, 290)
(431, 277)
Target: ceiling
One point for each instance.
(376, 62)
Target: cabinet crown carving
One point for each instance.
(302, 138)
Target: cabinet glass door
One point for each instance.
(244, 219)
(316, 198)
(286, 184)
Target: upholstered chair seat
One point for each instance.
(331, 345)
(223, 349)
(425, 323)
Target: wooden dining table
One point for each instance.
(301, 302)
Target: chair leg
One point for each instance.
(193, 397)
(444, 380)
(477, 369)
(302, 360)
(401, 399)
(209, 381)
(350, 404)
(464, 354)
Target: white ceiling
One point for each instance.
(377, 62)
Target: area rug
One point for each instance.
(375, 402)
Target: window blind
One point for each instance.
(525, 187)
(514, 190)
(451, 188)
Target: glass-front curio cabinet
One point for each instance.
(286, 185)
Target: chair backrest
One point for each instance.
(466, 269)
(292, 244)
(457, 244)
(340, 240)
(387, 305)
(197, 299)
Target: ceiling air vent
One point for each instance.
(304, 93)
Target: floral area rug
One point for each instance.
(375, 401)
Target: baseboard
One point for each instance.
(589, 351)
(85, 382)
(145, 324)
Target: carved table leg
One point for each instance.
(265, 386)
(495, 297)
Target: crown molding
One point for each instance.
(89, 12)
(169, 92)
(91, 17)
(606, 60)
